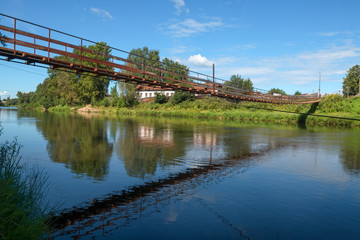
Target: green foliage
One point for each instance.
(114, 95)
(238, 82)
(127, 95)
(149, 60)
(179, 97)
(174, 70)
(65, 87)
(47, 102)
(351, 81)
(297, 93)
(277, 90)
(22, 207)
(335, 103)
(59, 108)
(24, 98)
(160, 98)
(11, 102)
(146, 60)
(105, 102)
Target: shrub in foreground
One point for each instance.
(22, 206)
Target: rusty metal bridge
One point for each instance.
(36, 45)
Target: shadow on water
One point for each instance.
(301, 122)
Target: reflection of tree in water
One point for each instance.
(81, 144)
(350, 153)
(145, 146)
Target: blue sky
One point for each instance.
(282, 44)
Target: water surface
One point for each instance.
(173, 179)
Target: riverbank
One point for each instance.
(333, 110)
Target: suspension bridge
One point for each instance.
(45, 47)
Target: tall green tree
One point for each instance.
(174, 70)
(24, 98)
(238, 82)
(149, 60)
(145, 60)
(128, 94)
(351, 81)
(66, 87)
(277, 90)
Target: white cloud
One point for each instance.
(190, 26)
(328, 34)
(199, 61)
(101, 13)
(329, 55)
(300, 70)
(4, 93)
(179, 49)
(179, 6)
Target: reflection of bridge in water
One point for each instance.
(44, 46)
(112, 212)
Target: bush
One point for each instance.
(179, 97)
(160, 98)
(105, 102)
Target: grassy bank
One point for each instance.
(217, 109)
(22, 206)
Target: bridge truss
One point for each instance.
(46, 47)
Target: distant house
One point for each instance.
(149, 92)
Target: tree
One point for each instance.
(237, 81)
(297, 93)
(174, 70)
(277, 90)
(149, 60)
(351, 81)
(24, 98)
(66, 87)
(146, 60)
(128, 94)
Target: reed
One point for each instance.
(23, 210)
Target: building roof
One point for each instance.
(153, 88)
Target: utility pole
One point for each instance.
(319, 84)
(214, 78)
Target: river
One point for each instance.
(133, 178)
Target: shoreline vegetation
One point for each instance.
(335, 109)
(24, 213)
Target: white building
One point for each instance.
(149, 92)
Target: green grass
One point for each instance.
(22, 207)
(218, 109)
(222, 110)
